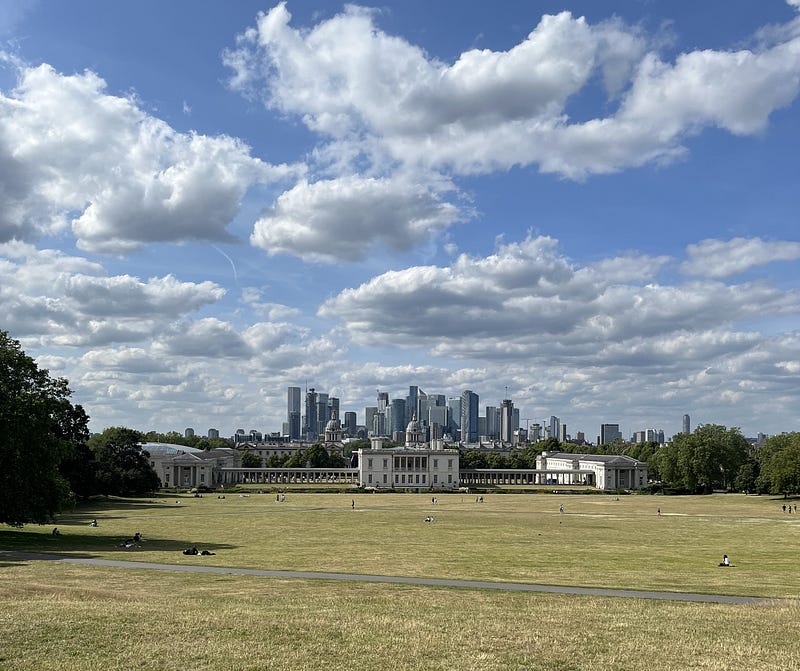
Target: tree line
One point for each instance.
(48, 457)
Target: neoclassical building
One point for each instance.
(415, 465)
(183, 466)
(603, 471)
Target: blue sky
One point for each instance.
(591, 204)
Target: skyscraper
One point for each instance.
(506, 420)
(293, 412)
(350, 427)
(687, 425)
(555, 427)
(609, 433)
(469, 416)
(311, 428)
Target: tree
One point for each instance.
(710, 457)
(39, 429)
(473, 459)
(250, 460)
(779, 459)
(123, 467)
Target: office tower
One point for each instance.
(515, 420)
(687, 425)
(506, 420)
(554, 427)
(293, 412)
(437, 420)
(562, 433)
(383, 401)
(398, 412)
(535, 432)
(609, 433)
(369, 418)
(188, 433)
(213, 433)
(469, 416)
(411, 402)
(580, 438)
(454, 416)
(323, 412)
(350, 426)
(311, 428)
(492, 423)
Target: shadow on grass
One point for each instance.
(91, 545)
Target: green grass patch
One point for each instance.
(74, 617)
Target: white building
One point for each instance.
(603, 471)
(183, 466)
(415, 465)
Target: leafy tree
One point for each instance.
(495, 460)
(316, 456)
(473, 459)
(747, 477)
(710, 457)
(39, 429)
(250, 460)
(123, 467)
(779, 459)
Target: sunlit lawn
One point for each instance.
(55, 616)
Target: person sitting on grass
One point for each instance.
(725, 561)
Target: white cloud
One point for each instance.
(724, 258)
(343, 219)
(72, 154)
(491, 110)
(526, 300)
(70, 301)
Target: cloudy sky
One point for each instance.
(592, 205)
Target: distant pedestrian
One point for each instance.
(353, 504)
(561, 508)
(56, 532)
(659, 512)
(795, 507)
(784, 507)
(93, 523)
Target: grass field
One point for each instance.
(76, 617)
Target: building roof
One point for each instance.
(609, 459)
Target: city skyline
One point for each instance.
(587, 207)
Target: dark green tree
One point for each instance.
(779, 459)
(123, 467)
(251, 460)
(708, 458)
(473, 459)
(39, 430)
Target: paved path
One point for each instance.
(435, 582)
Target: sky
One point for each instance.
(588, 207)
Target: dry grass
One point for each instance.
(71, 617)
(113, 619)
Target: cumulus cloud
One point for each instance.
(343, 219)
(491, 110)
(724, 258)
(71, 154)
(67, 300)
(528, 300)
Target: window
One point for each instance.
(396, 478)
(369, 463)
(202, 477)
(370, 478)
(423, 478)
(450, 479)
(386, 463)
(450, 463)
(417, 478)
(436, 463)
(384, 478)
(435, 479)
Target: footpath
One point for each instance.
(356, 577)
